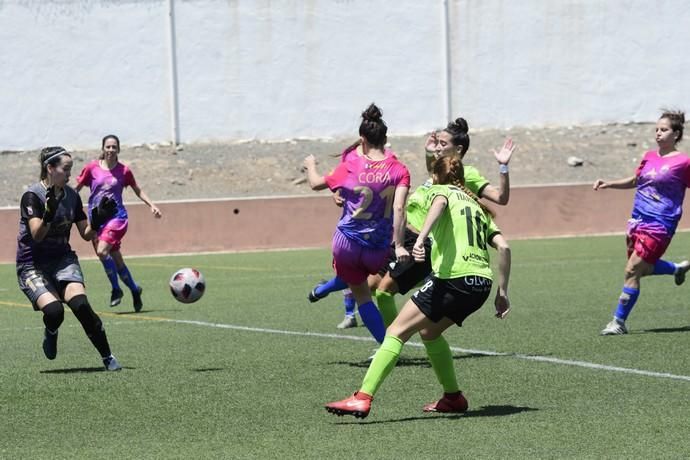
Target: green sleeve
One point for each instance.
(492, 229)
(474, 181)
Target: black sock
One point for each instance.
(91, 323)
(53, 315)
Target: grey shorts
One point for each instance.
(37, 279)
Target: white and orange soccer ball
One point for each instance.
(187, 285)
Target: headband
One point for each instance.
(60, 152)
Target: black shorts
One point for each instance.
(454, 298)
(410, 274)
(37, 279)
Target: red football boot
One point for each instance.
(452, 403)
(358, 405)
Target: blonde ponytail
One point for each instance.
(449, 170)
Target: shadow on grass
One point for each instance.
(405, 362)
(486, 411)
(209, 369)
(132, 312)
(662, 330)
(79, 370)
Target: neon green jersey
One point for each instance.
(416, 202)
(474, 181)
(460, 235)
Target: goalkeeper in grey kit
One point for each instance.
(48, 269)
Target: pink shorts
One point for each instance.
(648, 240)
(113, 232)
(353, 263)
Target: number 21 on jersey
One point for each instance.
(387, 194)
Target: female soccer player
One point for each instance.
(106, 176)
(48, 270)
(401, 278)
(461, 228)
(660, 180)
(454, 140)
(374, 186)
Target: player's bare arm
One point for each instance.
(626, 183)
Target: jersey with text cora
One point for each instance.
(368, 188)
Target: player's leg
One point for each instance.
(441, 359)
(448, 302)
(646, 244)
(44, 298)
(657, 240)
(401, 278)
(635, 269)
(410, 320)
(371, 317)
(70, 282)
(353, 264)
(324, 288)
(103, 252)
(387, 288)
(53, 316)
(678, 270)
(113, 233)
(75, 296)
(127, 278)
(350, 306)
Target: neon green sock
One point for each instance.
(441, 360)
(382, 364)
(386, 304)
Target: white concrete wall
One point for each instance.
(539, 62)
(74, 70)
(291, 68)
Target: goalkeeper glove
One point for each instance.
(52, 203)
(102, 213)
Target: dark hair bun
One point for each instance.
(372, 113)
(460, 124)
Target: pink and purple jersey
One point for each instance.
(368, 188)
(661, 184)
(106, 182)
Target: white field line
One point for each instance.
(545, 359)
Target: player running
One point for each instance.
(660, 180)
(107, 177)
(48, 270)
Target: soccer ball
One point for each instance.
(187, 285)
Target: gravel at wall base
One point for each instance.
(260, 168)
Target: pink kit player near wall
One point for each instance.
(107, 177)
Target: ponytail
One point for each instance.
(449, 170)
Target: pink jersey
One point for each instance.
(106, 182)
(661, 184)
(368, 188)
